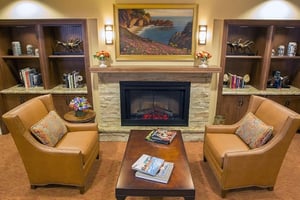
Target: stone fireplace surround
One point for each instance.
(106, 99)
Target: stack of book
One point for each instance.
(30, 77)
(160, 135)
(153, 168)
(235, 81)
(73, 80)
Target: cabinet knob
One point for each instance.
(287, 103)
(22, 99)
(241, 102)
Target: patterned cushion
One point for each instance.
(50, 129)
(254, 132)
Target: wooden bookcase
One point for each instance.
(53, 60)
(259, 63)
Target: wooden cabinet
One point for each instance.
(290, 101)
(58, 65)
(12, 100)
(250, 49)
(236, 107)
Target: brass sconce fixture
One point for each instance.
(108, 34)
(202, 34)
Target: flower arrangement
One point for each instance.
(79, 104)
(203, 55)
(102, 55)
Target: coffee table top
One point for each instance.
(180, 183)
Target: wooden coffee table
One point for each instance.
(180, 183)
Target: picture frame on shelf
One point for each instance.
(155, 31)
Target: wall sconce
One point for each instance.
(202, 34)
(108, 34)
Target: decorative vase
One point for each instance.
(79, 113)
(102, 63)
(203, 63)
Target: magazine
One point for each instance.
(148, 164)
(160, 135)
(162, 176)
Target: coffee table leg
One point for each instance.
(120, 197)
(190, 198)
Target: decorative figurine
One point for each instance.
(241, 47)
(69, 47)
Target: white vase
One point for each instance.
(102, 63)
(203, 63)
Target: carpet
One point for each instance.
(14, 184)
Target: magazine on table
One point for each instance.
(148, 164)
(160, 135)
(162, 176)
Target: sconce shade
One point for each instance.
(108, 34)
(202, 34)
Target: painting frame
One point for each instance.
(139, 53)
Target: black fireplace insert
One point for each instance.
(148, 103)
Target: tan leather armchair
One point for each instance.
(68, 162)
(234, 164)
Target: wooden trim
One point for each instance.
(155, 69)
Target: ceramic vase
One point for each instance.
(102, 63)
(79, 113)
(203, 63)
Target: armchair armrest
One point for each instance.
(81, 126)
(264, 162)
(52, 155)
(221, 128)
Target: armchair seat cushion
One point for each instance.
(219, 144)
(82, 140)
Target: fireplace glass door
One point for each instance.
(154, 103)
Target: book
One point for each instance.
(148, 164)
(162, 176)
(160, 135)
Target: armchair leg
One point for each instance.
(223, 193)
(270, 188)
(33, 187)
(82, 189)
(98, 157)
(204, 158)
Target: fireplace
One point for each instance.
(148, 103)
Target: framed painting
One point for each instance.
(155, 31)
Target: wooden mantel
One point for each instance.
(155, 69)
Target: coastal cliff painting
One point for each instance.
(155, 32)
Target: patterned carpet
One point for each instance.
(14, 184)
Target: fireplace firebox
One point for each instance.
(148, 103)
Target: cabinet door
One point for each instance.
(12, 100)
(292, 102)
(234, 107)
(9, 101)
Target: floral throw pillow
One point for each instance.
(254, 132)
(50, 129)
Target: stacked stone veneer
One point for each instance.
(108, 113)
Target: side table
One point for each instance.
(88, 117)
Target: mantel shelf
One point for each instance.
(155, 69)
